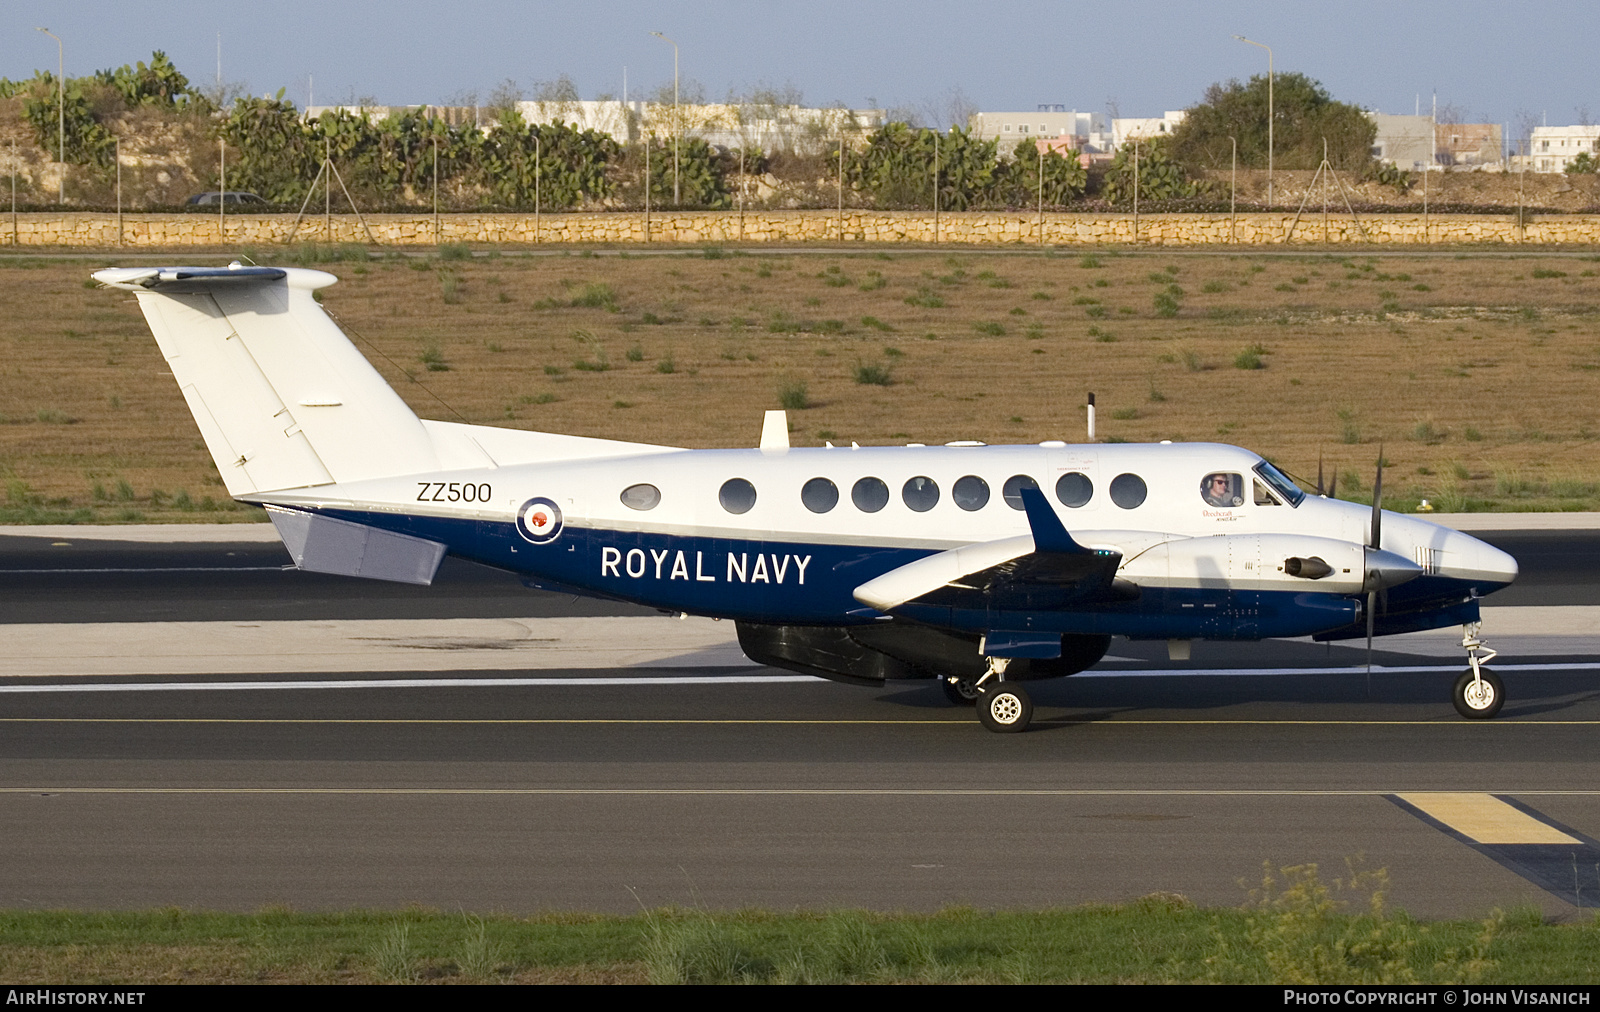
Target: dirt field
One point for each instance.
(1477, 373)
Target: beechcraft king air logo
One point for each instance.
(539, 520)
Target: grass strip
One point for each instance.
(1295, 930)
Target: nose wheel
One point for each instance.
(1479, 693)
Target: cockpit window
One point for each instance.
(1280, 483)
(1262, 496)
(1222, 488)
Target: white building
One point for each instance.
(769, 127)
(1145, 128)
(1553, 147)
(1403, 141)
(1056, 124)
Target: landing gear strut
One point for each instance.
(1003, 706)
(1479, 693)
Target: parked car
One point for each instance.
(227, 197)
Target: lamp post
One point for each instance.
(677, 197)
(61, 111)
(1252, 42)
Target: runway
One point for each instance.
(599, 757)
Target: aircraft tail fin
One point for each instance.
(281, 396)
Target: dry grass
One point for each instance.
(1477, 374)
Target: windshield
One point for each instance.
(1280, 482)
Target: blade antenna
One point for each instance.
(1374, 540)
(1320, 490)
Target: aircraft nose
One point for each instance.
(1467, 558)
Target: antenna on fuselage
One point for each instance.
(1091, 417)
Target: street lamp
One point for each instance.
(1252, 42)
(676, 197)
(61, 108)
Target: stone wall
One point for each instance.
(167, 230)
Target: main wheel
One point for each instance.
(1479, 699)
(959, 689)
(1004, 706)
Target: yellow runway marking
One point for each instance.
(1486, 819)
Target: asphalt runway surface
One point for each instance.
(703, 780)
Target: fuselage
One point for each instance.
(788, 536)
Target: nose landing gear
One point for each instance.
(1003, 707)
(1479, 693)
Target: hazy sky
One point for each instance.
(1492, 60)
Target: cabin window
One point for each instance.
(641, 497)
(819, 495)
(1223, 489)
(1013, 489)
(870, 495)
(737, 495)
(1074, 489)
(920, 494)
(970, 493)
(1128, 491)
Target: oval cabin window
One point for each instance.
(641, 497)
(920, 494)
(1013, 489)
(870, 495)
(1128, 491)
(819, 495)
(970, 493)
(1074, 489)
(737, 495)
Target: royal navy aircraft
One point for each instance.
(982, 566)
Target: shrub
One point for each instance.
(793, 396)
(1250, 358)
(876, 374)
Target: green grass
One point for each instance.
(1295, 927)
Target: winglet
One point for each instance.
(1049, 535)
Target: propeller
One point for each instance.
(1374, 543)
(1320, 489)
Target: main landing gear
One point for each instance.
(1479, 693)
(1003, 706)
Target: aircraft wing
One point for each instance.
(1042, 570)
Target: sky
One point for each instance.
(1490, 61)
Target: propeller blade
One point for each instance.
(1333, 486)
(1320, 490)
(1372, 615)
(1377, 504)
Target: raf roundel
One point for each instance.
(539, 520)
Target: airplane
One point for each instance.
(984, 567)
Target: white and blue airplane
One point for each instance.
(982, 566)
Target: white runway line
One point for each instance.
(179, 649)
(636, 681)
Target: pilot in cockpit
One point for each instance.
(1221, 488)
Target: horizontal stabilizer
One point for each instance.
(321, 544)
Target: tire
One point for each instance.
(959, 690)
(1482, 701)
(1005, 707)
